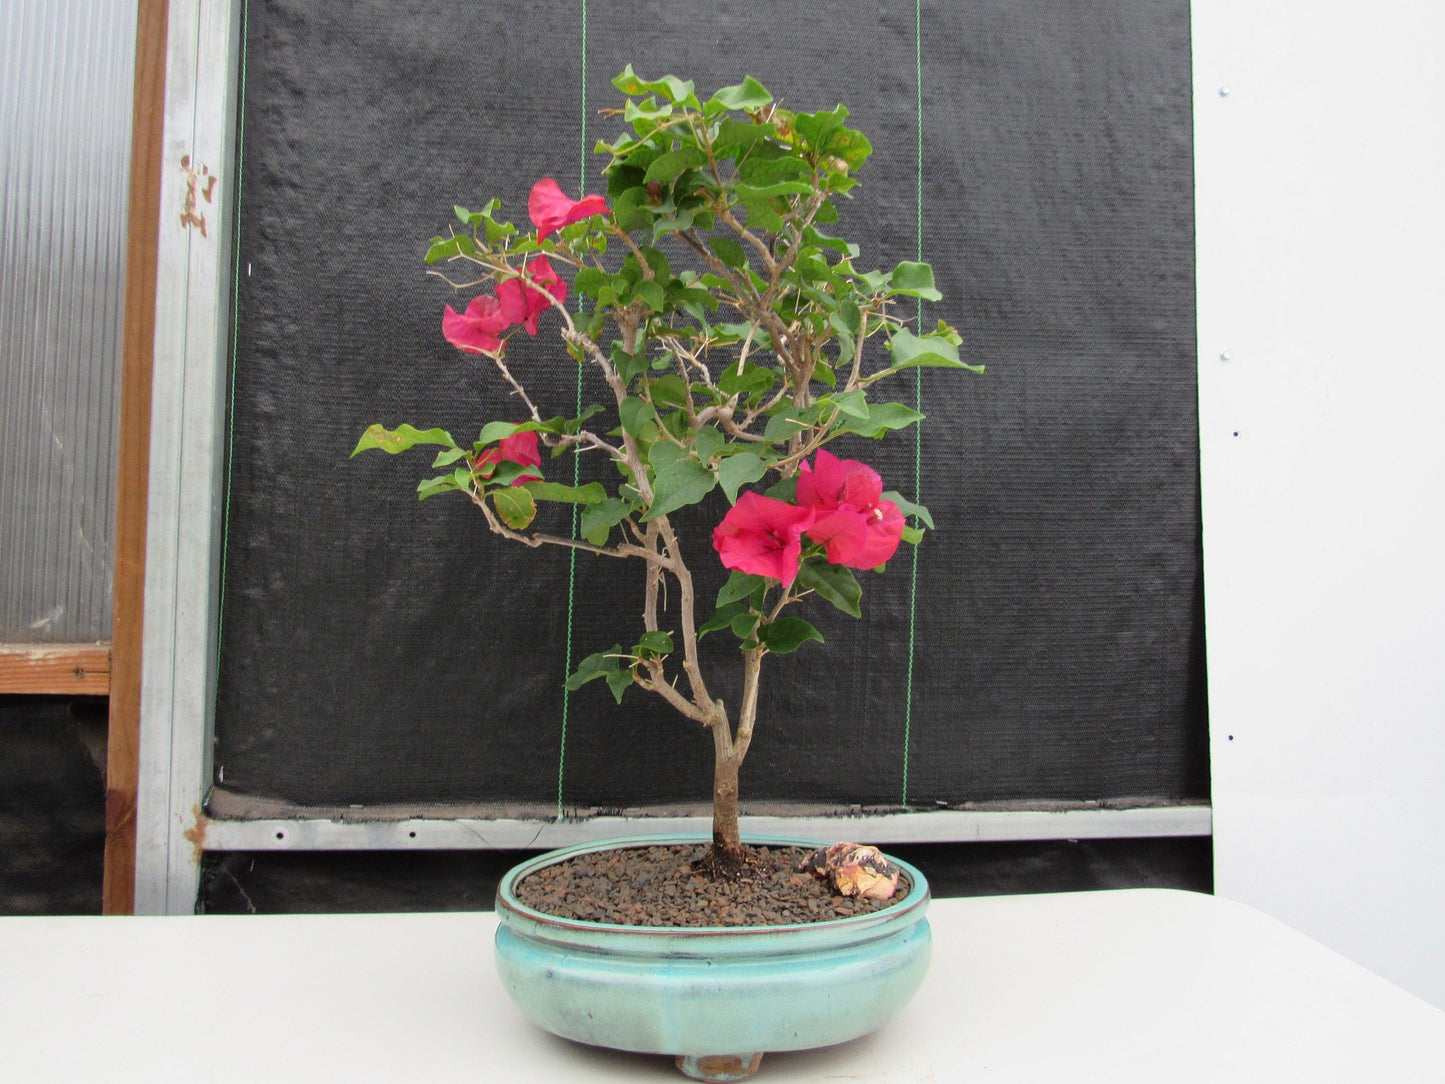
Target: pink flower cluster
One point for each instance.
(519, 448)
(519, 301)
(840, 506)
(550, 209)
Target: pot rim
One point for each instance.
(510, 909)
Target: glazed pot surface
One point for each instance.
(700, 992)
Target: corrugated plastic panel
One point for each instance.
(66, 74)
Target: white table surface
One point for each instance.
(1144, 985)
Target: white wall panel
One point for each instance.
(1319, 152)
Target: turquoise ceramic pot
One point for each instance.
(717, 996)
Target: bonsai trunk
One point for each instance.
(726, 857)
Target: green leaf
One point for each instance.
(669, 86)
(664, 454)
(911, 351)
(876, 281)
(448, 456)
(914, 280)
(736, 137)
(739, 470)
(722, 618)
(506, 472)
(444, 248)
(816, 127)
(762, 217)
(836, 244)
(515, 505)
(743, 625)
(651, 292)
(852, 148)
(912, 535)
(619, 681)
(494, 431)
(648, 110)
(657, 260)
(825, 134)
(753, 378)
(430, 487)
(574, 425)
(881, 418)
(787, 634)
(763, 167)
(739, 586)
(677, 223)
(948, 331)
(401, 438)
(498, 231)
(782, 426)
(627, 365)
(670, 166)
(591, 493)
(707, 443)
(729, 251)
(589, 280)
(784, 489)
(853, 403)
(599, 519)
(597, 665)
(908, 508)
(631, 211)
(677, 485)
(656, 643)
(750, 194)
(554, 425)
(635, 414)
(749, 94)
(835, 583)
(668, 390)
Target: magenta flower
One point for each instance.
(523, 302)
(763, 536)
(476, 330)
(520, 448)
(551, 209)
(852, 521)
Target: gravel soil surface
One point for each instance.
(657, 886)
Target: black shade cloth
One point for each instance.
(377, 650)
(297, 882)
(52, 804)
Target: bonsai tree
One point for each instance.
(737, 340)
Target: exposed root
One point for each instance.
(723, 863)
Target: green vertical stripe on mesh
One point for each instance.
(235, 335)
(917, 400)
(576, 463)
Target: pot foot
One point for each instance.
(719, 1068)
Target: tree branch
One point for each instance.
(687, 619)
(517, 388)
(739, 282)
(748, 708)
(769, 264)
(539, 539)
(657, 683)
(633, 458)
